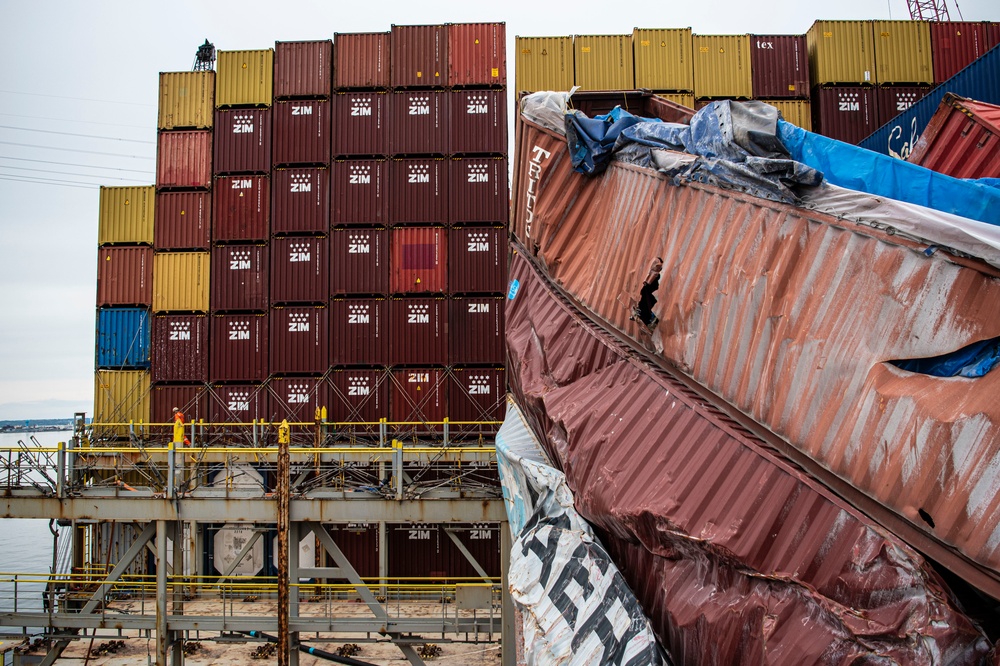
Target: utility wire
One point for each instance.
(59, 183)
(81, 99)
(67, 120)
(85, 136)
(70, 173)
(74, 150)
(85, 166)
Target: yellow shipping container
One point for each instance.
(126, 215)
(722, 66)
(180, 281)
(244, 78)
(543, 63)
(796, 111)
(841, 52)
(603, 62)
(903, 52)
(663, 58)
(187, 100)
(684, 99)
(120, 396)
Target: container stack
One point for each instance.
(544, 63)
(842, 69)
(663, 63)
(603, 62)
(904, 68)
(780, 72)
(721, 67)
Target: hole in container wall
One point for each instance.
(926, 517)
(973, 360)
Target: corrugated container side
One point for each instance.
(300, 270)
(418, 260)
(779, 66)
(359, 191)
(192, 401)
(419, 188)
(418, 331)
(478, 121)
(684, 99)
(360, 124)
(359, 261)
(477, 394)
(663, 58)
(242, 141)
(543, 63)
(302, 132)
(418, 122)
(359, 331)
(418, 550)
(125, 276)
(903, 52)
(241, 207)
(477, 54)
(478, 190)
(297, 398)
(419, 396)
(478, 324)
(894, 100)
(123, 338)
(359, 395)
(300, 340)
(603, 62)
(126, 215)
(722, 66)
(419, 56)
(180, 348)
(962, 140)
(238, 403)
(120, 396)
(300, 200)
(361, 60)
(183, 221)
(303, 69)
(238, 348)
(187, 100)
(239, 278)
(359, 543)
(992, 33)
(955, 44)
(180, 281)
(847, 114)
(796, 111)
(184, 159)
(841, 52)
(244, 78)
(477, 260)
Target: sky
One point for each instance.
(78, 93)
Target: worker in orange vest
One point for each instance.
(178, 426)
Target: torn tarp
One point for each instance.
(971, 361)
(592, 140)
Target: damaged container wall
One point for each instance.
(418, 398)
(847, 114)
(478, 121)
(543, 63)
(359, 190)
(242, 141)
(180, 281)
(477, 54)
(120, 397)
(238, 403)
(359, 261)
(419, 187)
(300, 200)
(478, 190)
(779, 66)
(300, 340)
(303, 69)
(239, 278)
(361, 60)
(841, 52)
(903, 52)
(183, 221)
(662, 58)
(184, 159)
(302, 132)
(125, 276)
(186, 100)
(359, 329)
(419, 331)
(300, 269)
(241, 207)
(894, 100)
(123, 338)
(191, 400)
(477, 394)
(180, 348)
(477, 260)
(297, 398)
(126, 215)
(239, 349)
(603, 62)
(419, 56)
(722, 66)
(418, 260)
(796, 111)
(961, 140)
(418, 122)
(360, 124)
(954, 45)
(244, 78)
(478, 322)
(359, 395)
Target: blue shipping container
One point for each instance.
(122, 338)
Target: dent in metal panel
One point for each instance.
(962, 140)
(303, 69)
(126, 215)
(299, 339)
(184, 159)
(543, 63)
(180, 348)
(300, 269)
(302, 132)
(722, 66)
(124, 276)
(662, 58)
(183, 221)
(244, 78)
(187, 100)
(841, 52)
(360, 124)
(477, 54)
(300, 200)
(180, 281)
(361, 60)
(239, 278)
(120, 396)
(359, 331)
(903, 52)
(239, 349)
(603, 62)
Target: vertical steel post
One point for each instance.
(508, 635)
(171, 470)
(397, 466)
(446, 431)
(383, 559)
(382, 427)
(177, 637)
(61, 470)
(161, 593)
(294, 538)
(282, 520)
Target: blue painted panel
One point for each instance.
(123, 338)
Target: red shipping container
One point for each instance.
(477, 394)
(478, 190)
(419, 397)
(359, 192)
(184, 159)
(300, 340)
(242, 141)
(418, 122)
(419, 56)
(359, 395)
(359, 544)
(359, 330)
(419, 260)
(360, 124)
(477, 121)
(847, 114)
(300, 270)
(992, 34)
(418, 333)
(297, 398)
(239, 278)
(238, 348)
(477, 333)
(361, 60)
(180, 348)
(894, 100)
(125, 276)
(359, 261)
(419, 188)
(780, 66)
(477, 260)
(477, 54)
(183, 221)
(300, 199)
(955, 44)
(961, 140)
(191, 400)
(238, 403)
(241, 207)
(303, 69)
(302, 132)
(418, 550)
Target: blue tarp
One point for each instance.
(974, 360)
(592, 140)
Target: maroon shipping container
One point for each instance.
(418, 260)
(476, 330)
(359, 331)
(780, 66)
(359, 261)
(359, 192)
(418, 396)
(477, 394)
(239, 278)
(297, 398)
(125, 276)
(360, 124)
(238, 403)
(955, 44)
(961, 140)
(847, 114)
(894, 100)
(418, 122)
(180, 348)
(303, 69)
(242, 141)
(419, 189)
(419, 550)
(477, 54)
(478, 190)
(183, 221)
(302, 132)
(418, 331)
(241, 207)
(361, 60)
(992, 34)
(300, 270)
(300, 340)
(238, 348)
(419, 56)
(300, 200)
(477, 121)
(184, 159)
(477, 260)
(359, 395)
(191, 400)
(359, 544)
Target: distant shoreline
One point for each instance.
(35, 425)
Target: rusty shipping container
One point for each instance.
(302, 132)
(477, 260)
(543, 63)
(186, 101)
(477, 54)
(184, 159)
(779, 65)
(419, 56)
(184, 221)
(180, 348)
(238, 403)
(300, 200)
(476, 325)
(903, 53)
(360, 124)
(300, 340)
(955, 44)
(242, 141)
(962, 139)
(841, 52)
(477, 394)
(418, 122)
(239, 278)
(663, 59)
(359, 395)
(241, 208)
(418, 331)
(418, 398)
(360, 192)
(722, 66)
(297, 398)
(181, 281)
(603, 62)
(359, 261)
(191, 400)
(126, 215)
(300, 269)
(125, 276)
(419, 190)
(421, 550)
(894, 100)
(478, 190)
(361, 60)
(244, 78)
(477, 122)
(359, 331)
(847, 114)
(418, 260)
(238, 348)
(303, 69)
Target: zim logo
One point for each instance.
(418, 314)
(419, 173)
(180, 330)
(298, 394)
(480, 532)
(420, 535)
(242, 184)
(358, 244)
(301, 182)
(478, 173)
(420, 106)
(848, 102)
(239, 401)
(302, 110)
(298, 322)
(479, 307)
(361, 107)
(239, 330)
(418, 377)
(358, 314)
(478, 242)
(359, 174)
(479, 385)
(358, 386)
(477, 104)
(243, 124)
(299, 253)
(239, 260)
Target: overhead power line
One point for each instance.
(58, 183)
(74, 150)
(85, 166)
(80, 99)
(67, 120)
(73, 173)
(85, 136)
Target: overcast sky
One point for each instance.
(73, 71)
